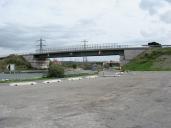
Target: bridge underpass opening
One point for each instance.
(108, 58)
(41, 60)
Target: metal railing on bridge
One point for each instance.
(83, 48)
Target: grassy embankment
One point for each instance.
(19, 61)
(22, 64)
(154, 59)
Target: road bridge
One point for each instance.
(40, 59)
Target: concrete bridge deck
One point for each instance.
(90, 47)
(126, 53)
(88, 50)
(40, 60)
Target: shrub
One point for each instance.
(74, 66)
(87, 66)
(56, 71)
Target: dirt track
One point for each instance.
(134, 100)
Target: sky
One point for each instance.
(67, 22)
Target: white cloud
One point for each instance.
(160, 8)
(166, 17)
(152, 6)
(67, 22)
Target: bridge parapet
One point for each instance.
(85, 48)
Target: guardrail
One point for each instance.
(84, 48)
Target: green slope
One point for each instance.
(19, 61)
(154, 59)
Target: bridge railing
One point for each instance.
(83, 48)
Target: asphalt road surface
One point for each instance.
(134, 100)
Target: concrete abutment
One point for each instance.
(129, 55)
(38, 63)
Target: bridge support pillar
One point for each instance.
(122, 60)
(37, 63)
(129, 55)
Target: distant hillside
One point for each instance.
(154, 59)
(19, 61)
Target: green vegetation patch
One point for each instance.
(56, 70)
(19, 61)
(154, 59)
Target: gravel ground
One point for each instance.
(134, 100)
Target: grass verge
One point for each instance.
(153, 59)
(49, 78)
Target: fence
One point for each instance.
(83, 48)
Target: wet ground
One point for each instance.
(134, 100)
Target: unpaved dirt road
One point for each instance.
(134, 100)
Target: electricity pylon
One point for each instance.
(41, 45)
(84, 46)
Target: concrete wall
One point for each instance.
(37, 63)
(130, 54)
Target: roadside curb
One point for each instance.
(52, 81)
(74, 79)
(23, 83)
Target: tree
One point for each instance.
(74, 66)
(56, 71)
